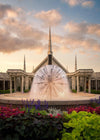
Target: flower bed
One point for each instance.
(80, 123)
(7, 112)
(84, 108)
(30, 126)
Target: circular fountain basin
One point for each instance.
(76, 99)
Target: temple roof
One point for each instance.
(54, 62)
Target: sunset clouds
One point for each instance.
(17, 34)
(83, 28)
(75, 29)
(87, 3)
(83, 35)
(83, 3)
(49, 18)
(7, 11)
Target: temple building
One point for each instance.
(17, 80)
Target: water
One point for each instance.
(50, 83)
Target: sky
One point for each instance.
(24, 28)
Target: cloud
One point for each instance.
(86, 44)
(73, 2)
(82, 28)
(87, 4)
(79, 36)
(10, 44)
(73, 27)
(7, 11)
(22, 29)
(17, 34)
(94, 29)
(82, 36)
(83, 3)
(11, 14)
(50, 18)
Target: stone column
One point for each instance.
(14, 84)
(73, 83)
(78, 89)
(84, 84)
(26, 83)
(4, 84)
(22, 84)
(96, 85)
(10, 84)
(89, 85)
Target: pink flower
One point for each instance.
(39, 114)
(58, 114)
(6, 112)
(51, 115)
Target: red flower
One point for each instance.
(6, 112)
(51, 115)
(39, 114)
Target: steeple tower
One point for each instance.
(75, 62)
(24, 64)
(50, 45)
(49, 49)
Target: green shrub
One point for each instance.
(81, 88)
(31, 127)
(26, 90)
(81, 126)
(34, 110)
(86, 90)
(74, 90)
(95, 91)
(6, 91)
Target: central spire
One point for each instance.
(50, 45)
(24, 64)
(50, 49)
(75, 62)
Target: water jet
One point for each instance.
(50, 83)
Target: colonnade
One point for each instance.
(80, 78)
(24, 83)
(76, 83)
(14, 78)
(4, 84)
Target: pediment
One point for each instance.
(54, 62)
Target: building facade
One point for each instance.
(20, 80)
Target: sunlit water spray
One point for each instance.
(50, 83)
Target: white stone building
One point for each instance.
(20, 80)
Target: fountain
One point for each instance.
(50, 83)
